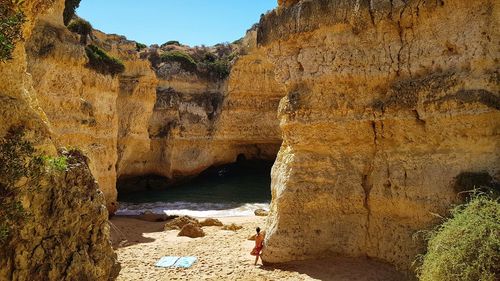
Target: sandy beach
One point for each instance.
(224, 255)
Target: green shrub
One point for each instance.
(467, 246)
(82, 27)
(233, 56)
(69, 10)
(101, 62)
(59, 164)
(184, 59)
(4, 233)
(140, 46)
(218, 69)
(11, 20)
(172, 42)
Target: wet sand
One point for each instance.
(224, 255)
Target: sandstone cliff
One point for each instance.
(104, 115)
(79, 103)
(387, 103)
(66, 232)
(156, 118)
(383, 105)
(197, 122)
(64, 235)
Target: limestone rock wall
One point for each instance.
(163, 121)
(387, 103)
(79, 103)
(249, 113)
(67, 233)
(135, 104)
(105, 116)
(197, 123)
(66, 236)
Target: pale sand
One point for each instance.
(224, 255)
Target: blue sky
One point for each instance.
(192, 22)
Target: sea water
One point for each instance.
(233, 190)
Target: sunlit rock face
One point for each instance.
(197, 123)
(387, 103)
(152, 119)
(66, 234)
(106, 116)
(79, 103)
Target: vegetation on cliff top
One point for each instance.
(140, 46)
(172, 42)
(103, 63)
(99, 60)
(467, 246)
(209, 63)
(81, 27)
(185, 60)
(11, 20)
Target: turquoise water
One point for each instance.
(232, 190)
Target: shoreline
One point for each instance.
(193, 209)
(224, 255)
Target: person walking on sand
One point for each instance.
(259, 244)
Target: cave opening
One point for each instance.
(236, 189)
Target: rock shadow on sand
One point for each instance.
(342, 269)
(126, 232)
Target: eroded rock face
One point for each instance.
(387, 103)
(66, 237)
(197, 123)
(79, 103)
(162, 121)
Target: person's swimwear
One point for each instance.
(259, 244)
(256, 251)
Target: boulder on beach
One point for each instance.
(180, 222)
(152, 217)
(211, 222)
(232, 227)
(192, 231)
(261, 213)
